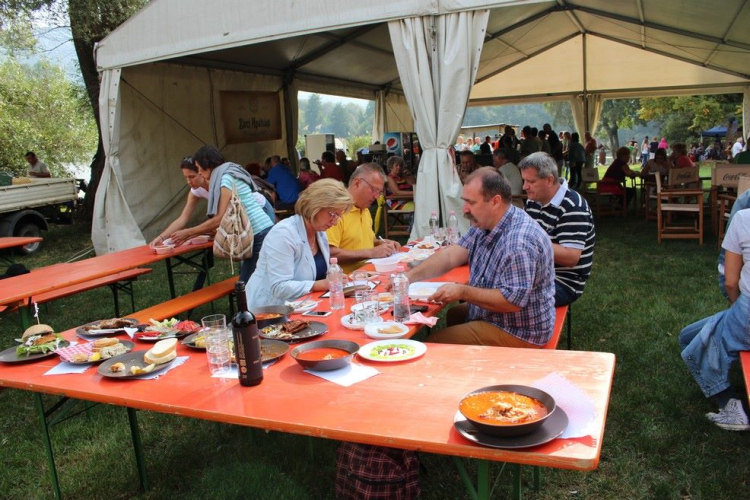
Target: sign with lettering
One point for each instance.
(250, 116)
(728, 175)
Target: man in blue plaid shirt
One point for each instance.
(509, 300)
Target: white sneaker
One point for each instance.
(731, 418)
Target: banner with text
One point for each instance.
(250, 116)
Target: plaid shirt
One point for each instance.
(516, 258)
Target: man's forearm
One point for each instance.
(488, 298)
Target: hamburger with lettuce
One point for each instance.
(38, 339)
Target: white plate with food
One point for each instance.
(422, 290)
(347, 322)
(386, 330)
(301, 306)
(389, 351)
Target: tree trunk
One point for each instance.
(85, 51)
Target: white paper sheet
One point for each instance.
(348, 375)
(573, 400)
(64, 368)
(233, 373)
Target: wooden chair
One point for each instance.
(724, 180)
(725, 206)
(616, 203)
(676, 199)
(398, 222)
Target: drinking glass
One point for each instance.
(440, 234)
(217, 343)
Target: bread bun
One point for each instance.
(150, 357)
(105, 342)
(37, 330)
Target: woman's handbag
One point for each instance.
(234, 236)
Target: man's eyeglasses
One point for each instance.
(375, 191)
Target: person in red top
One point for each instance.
(680, 157)
(306, 176)
(328, 167)
(616, 173)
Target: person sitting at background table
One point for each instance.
(660, 164)
(352, 239)
(680, 158)
(294, 259)
(198, 189)
(615, 175)
(711, 345)
(398, 185)
(223, 177)
(306, 175)
(510, 298)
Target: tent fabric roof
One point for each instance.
(659, 46)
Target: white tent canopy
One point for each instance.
(174, 57)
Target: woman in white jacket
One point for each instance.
(294, 259)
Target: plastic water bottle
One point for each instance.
(401, 303)
(452, 228)
(336, 285)
(434, 223)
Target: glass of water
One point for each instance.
(217, 343)
(440, 235)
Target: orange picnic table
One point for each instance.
(19, 290)
(13, 242)
(409, 405)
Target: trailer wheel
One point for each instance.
(29, 230)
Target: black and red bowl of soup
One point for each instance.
(270, 315)
(507, 410)
(325, 355)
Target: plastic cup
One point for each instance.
(217, 344)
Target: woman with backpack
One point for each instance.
(223, 179)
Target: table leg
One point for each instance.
(170, 278)
(138, 448)
(465, 477)
(517, 491)
(483, 479)
(26, 316)
(47, 444)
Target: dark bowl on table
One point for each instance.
(326, 364)
(510, 430)
(283, 311)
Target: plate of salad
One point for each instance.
(166, 329)
(392, 350)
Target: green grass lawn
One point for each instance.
(657, 443)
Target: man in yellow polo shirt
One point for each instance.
(352, 240)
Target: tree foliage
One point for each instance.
(683, 118)
(43, 111)
(617, 114)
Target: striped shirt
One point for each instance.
(568, 221)
(516, 259)
(258, 217)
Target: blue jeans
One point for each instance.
(248, 265)
(710, 346)
(563, 295)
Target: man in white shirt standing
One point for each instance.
(510, 171)
(738, 146)
(37, 168)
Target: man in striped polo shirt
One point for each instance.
(565, 216)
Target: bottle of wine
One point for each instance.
(246, 341)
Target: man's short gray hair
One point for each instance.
(367, 168)
(543, 163)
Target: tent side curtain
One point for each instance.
(167, 112)
(437, 58)
(746, 114)
(114, 227)
(392, 114)
(590, 104)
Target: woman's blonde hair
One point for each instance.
(325, 193)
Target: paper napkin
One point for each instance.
(348, 375)
(420, 319)
(63, 368)
(573, 400)
(177, 362)
(233, 373)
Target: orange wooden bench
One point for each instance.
(745, 364)
(188, 301)
(560, 314)
(119, 282)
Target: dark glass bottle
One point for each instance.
(246, 341)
